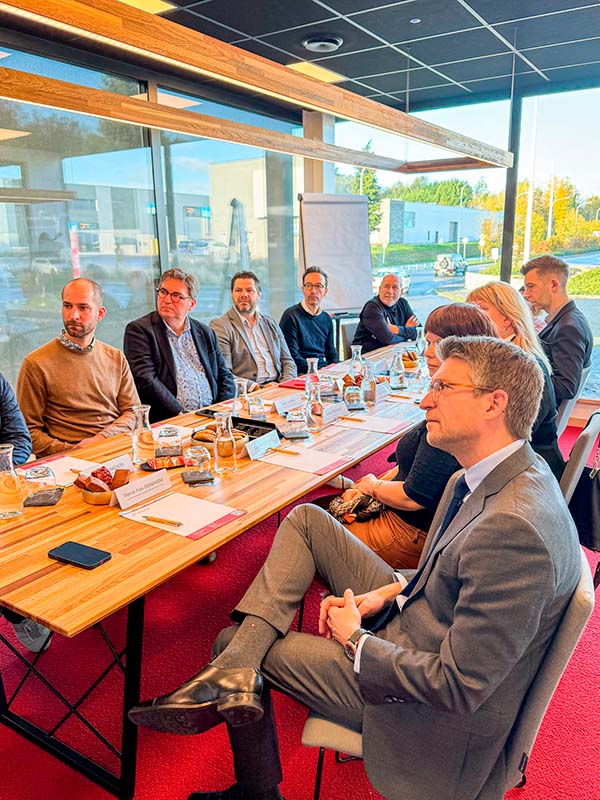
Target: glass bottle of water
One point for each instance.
(314, 409)
(225, 461)
(420, 341)
(11, 499)
(142, 440)
(356, 363)
(397, 371)
(312, 375)
(369, 384)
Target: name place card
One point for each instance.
(382, 390)
(141, 489)
(256, 448)
(380, 366)
(331, 411)
(285, 404)
(120, 462)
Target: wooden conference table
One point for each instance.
(69, 600)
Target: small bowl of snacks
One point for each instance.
(97, 488)
(208, 433)
(410, 360)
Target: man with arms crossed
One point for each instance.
(386, 319)
(252, 343)
(175, 360)
(435, 687)
(76, 390)
(308, 330)
(567, 338)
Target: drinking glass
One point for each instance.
(39, 481)
(241, 394)
(295, 422)
(11, 501)
(256, 406)
(197, 459)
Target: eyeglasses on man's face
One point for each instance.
(318, 286)
(437, 386)
(177, 297)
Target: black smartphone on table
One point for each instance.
(80, 555)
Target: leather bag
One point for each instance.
(585, 504)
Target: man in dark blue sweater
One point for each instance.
(308, 330)
(386, 319)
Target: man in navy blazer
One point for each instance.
(567, 338)
(175, 360)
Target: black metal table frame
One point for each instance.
(121, 784)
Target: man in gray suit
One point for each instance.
(432, 670)
(567, 338)
(252, 343)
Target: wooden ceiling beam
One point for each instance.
(124, 28)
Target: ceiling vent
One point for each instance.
(323, 44)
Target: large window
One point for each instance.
(77, 199)
(558, 197)
(231, 207)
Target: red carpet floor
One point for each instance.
(182, 619)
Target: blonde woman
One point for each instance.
(514, 321)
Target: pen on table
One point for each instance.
(163, 520)
(353, 419)
(283, 450)
(401, 396)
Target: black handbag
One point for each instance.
(585, 504)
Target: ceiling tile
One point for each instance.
(352, 6)
(370, 62)
(264, 16)
(455, 46)
(258, 48)
(555, 28)
(351, 86)
(479, 68)
(583, 74)
(354, 39)
(203, 25)
(397, 81)
(565, 54)
(494, 11)
(437, 16)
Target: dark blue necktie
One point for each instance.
(461, 490)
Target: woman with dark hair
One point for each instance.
(412, 493)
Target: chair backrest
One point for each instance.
(566, 406)
(548, 675)
(348, 331)
(579, 455)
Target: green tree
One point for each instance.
(364, 181)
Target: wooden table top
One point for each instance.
(68, 599)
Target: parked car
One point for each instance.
(194, 246)
(49, 266)
(402, 276)
(449, 264)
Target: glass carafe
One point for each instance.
(142, 440)
(356, 360)
(397, 380)
(11, 499)
(225, 461)
(314, 409)
(420, 342)
(312, 375)
(369, 384)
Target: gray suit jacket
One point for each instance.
(237, 351)
(445, 679)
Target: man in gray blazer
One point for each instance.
(252, 343)
(432, 670)
(567, 338)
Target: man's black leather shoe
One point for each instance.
(211, 696)
(235, 793)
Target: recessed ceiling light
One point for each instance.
(323, 44)
(151, 6)
(414, 21)
(316, 71)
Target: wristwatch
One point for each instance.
(353, 640)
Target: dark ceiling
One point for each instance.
(458, 52)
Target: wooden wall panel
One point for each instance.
(123, 27)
